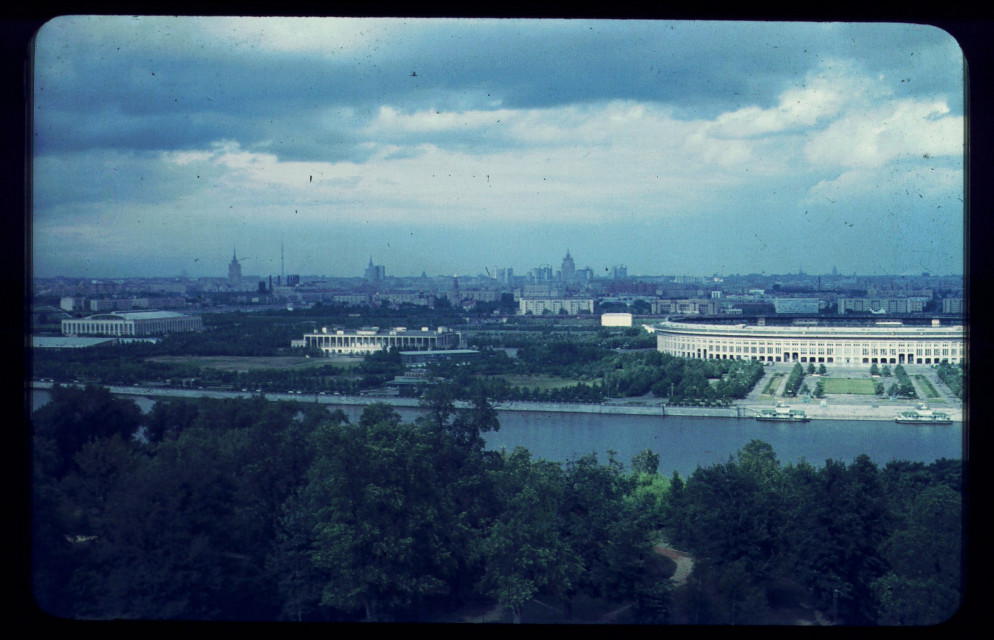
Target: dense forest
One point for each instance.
(252, 509)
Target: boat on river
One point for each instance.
(782, 413)
(921, 414)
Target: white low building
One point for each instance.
(616, 319)
(372, 339)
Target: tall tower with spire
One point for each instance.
(234, 270)
(569, 269)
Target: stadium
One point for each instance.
(819, 341)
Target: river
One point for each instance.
(683, 443)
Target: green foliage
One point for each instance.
(646, 461)
(253, 509)
(903, 388)
(794, 380)
(868, 544)
(523, 549)
(952, 375)
(819, 389)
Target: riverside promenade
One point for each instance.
(838, 407)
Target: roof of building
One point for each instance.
(59, 342)
(138, 315)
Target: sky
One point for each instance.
(163, 145)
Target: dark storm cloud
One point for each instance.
(117, 92)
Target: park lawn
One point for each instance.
(543, 383)
(855, 386)
(250, 363)
(773, 384)
(926, 386)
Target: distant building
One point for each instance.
(70, 303)
(952, 305)
(616, 319)
(505, 276)
(234, 271)
(57, 342)
(375, 272)
(139, 323)
(111, 304)
(685, 307)
(912, 304)
(796, 305)
(568, 272)
(373, 339)
(570, 306)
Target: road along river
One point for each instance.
(682, 442)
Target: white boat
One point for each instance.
(782, 413)
(922, 414)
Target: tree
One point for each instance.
(923, 584)
(522, 549)
(841, 519)
(73, 417)
(646, 461)
(822, 370)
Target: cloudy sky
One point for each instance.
(161, 145)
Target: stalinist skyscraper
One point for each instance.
(234, 271)
(569, 269)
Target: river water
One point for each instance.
(684, 443)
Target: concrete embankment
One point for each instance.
(832, 411)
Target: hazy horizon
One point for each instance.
(457, 146)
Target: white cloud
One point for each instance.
(884, 133)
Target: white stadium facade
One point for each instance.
(880, 343)
(138, 323)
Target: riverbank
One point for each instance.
(833, 409)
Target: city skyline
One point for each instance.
(454, 146)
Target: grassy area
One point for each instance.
(855, 386)
(249, 363)
(544, 383)
(773, 384)
(926, 386)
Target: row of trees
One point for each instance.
(794, 380)
(904, 387)
(952, 375)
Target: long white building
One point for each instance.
(138, 323)
(571, 306)
(371, 339)
(883, 343)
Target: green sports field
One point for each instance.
(856, 386)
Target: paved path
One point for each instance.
(684, 563)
